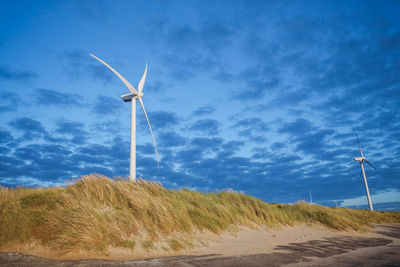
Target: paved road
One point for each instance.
(383, 250)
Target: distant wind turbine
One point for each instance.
(132, 97)
(362, 159)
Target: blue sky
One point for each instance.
(258, 96)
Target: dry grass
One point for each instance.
(96, 213)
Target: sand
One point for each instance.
(236, 242)
(263, 241)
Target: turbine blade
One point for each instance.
(130, 87)
(141, 83)
(358, 141)
(370, 164)
(151, 131)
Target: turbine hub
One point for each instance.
(359, 159)
(138, 95)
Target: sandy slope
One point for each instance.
(379, 247)
(262, 241)
(236, 242)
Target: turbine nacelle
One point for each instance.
(130, 96)
(359, 159)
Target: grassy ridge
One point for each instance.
(96, 213)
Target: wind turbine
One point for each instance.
(132, 97)
(362, 159)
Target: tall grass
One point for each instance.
(95, 213)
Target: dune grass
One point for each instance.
(95, 213)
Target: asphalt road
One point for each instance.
(383, 250)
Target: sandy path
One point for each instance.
(296, 246)
(257, 241)
(385, 255)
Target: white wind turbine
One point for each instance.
(132, 97)
(362, 159)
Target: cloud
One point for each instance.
(31, 129)
(110, 126)
(8, 74)
(223, 75)
(204, 110)
(185, 65)
(156, 86)
(206, 126)
(230, 148)
(261, 153)
(95, 150)
(311, 140)
(76, 130)
(189, 155)
(189, 49)
(253, 123)
(10, 167)
(49, 165)
(207, 143)
(76, 60)
(315, 144)
(278, 146)
(33, 151)
(181, 35)
(100, 72)
(48, 97)
(80, 63)
(298, 127)
(216, 36)
(146, 149)
(384, 120)
(212, 36)
(171, 139)
(257, 82)
(300, 31)
(29, 152)
(106, 105)
(10, 101)
(92, 10)
(54, 163)
(5, 137)
(163, 119)
(37, 164)
(253, 129)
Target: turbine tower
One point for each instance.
(132, 97)
(362, 159)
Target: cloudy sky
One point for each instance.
(257, 96)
